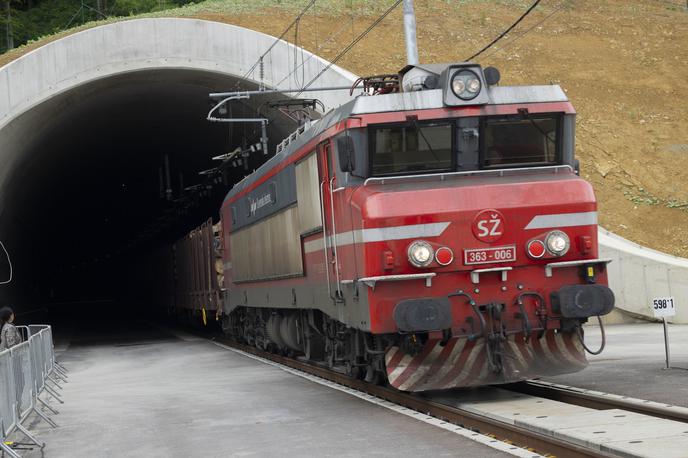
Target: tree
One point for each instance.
(25, 20)
(8, 25)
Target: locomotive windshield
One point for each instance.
(489, 142)
(518, 141)
(411, 148)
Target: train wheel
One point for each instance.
(314, 347)
(357, 372)
(375, 376)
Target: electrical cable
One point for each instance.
(296, 54)
(530, 29)
(267, 51)
(278, 39)
(675, 4)
(298, 48)
(323, 44)
(579, 332)
(501, 35)
(354, 43)
(9, 261)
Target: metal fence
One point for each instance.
(27, 371)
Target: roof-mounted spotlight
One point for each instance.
(464, 84)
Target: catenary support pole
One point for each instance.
(410, 33)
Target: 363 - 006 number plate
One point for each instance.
(489, 255)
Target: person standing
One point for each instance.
(9, 335)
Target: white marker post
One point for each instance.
(662, 307)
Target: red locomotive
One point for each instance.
(436, 235)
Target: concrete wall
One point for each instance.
(139, 45)
(155, 43)
(637, 274)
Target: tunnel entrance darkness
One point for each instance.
(83, 206)
(86, 122)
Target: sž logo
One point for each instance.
(489, 226)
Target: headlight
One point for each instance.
(420, 253)
(458, 86)
(473, 85)
(558, 243)
(465, 84)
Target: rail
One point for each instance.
(599, 400)
(28, 370)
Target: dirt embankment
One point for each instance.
(623, 63)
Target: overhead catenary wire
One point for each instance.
(298, 48)
(501, 35)
(278, 39)
(329, 40)
(679, 4)
(260, 62)
(260, 59)
(353, 43)
(529, 29)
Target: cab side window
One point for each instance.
(512, 142)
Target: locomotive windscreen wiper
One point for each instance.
(520, 140)
(526, 114)
(414, 123)
(402, 149)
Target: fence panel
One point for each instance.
(44, 350)
(24, 370)
(7, 396)
(39, 365)
(21, 368)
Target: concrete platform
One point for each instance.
(618, 432)
(146, 393)
(632, 363)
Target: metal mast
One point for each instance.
(410, 33)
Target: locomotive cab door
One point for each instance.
(327, 185)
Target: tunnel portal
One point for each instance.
(100, 162)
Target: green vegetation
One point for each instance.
(642, 197)
(31, 19)
(23, 21)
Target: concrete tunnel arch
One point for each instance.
(150, 45)
(72, 94)
(67, 108)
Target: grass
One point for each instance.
(641, 196)
(229, 7)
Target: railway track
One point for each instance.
(600, 401)
(509, 432)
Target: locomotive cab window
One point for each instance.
(410, 149)
(521, 141)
